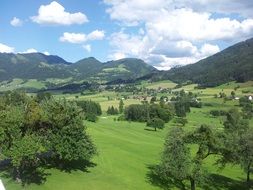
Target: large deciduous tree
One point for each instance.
(30, 128)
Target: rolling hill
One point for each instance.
(41, 67)
(32, 66)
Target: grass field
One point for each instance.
(160, 84)
(127, 150)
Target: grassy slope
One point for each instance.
(19, 83)
(125, 152)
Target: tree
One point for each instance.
(176, 158)
(155, 123)
(237, 143)
(121, 106)
(137, 112)
(245, 154)
(68, 138)
(91, 109)
(144, 112)
(177, 162)
(31, 128)
(112, 111)
(247, 107)
(23, 154)
(181, 121)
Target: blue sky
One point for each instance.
(163, 33)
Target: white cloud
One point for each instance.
(46, 53)
(126, 44)
(161, 54)
(208, 49)
(16, 22)
(76, 38)
(117, 56)
(174, 49)
(176, 31)
(6, 49)
(87, 47)
(96, 35)
(30, 50)
(73, 37)
(241, 7)
(55, 14)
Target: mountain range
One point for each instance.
(233, 63)
(41, 67)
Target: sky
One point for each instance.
(164, 33)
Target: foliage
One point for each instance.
(155, 123)
(121, 106)
(177, 162)
(91, 109)
(112, 111)
(217, 113)
(247, 107)
(137, 112)
(29, 129)
(181, 120)
(145, 112)
(237, 143)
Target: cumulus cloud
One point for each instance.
(6, 49)
(16, 22)
(76, 38)
(96, 35)
(87, 47)
(30, 50)
(55, 14)
(177, 32)
(208, 49)
(174, 49)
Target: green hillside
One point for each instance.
(41, 67)
(233, 63)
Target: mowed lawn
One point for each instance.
(126, 150)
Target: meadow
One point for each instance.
(128, 150)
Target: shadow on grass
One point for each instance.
(155, 178)
(28, 176)
(219, 182)
(38, 175)
(81, 165)
(213, 182)
(148, 129)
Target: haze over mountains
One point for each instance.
(233, 63)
